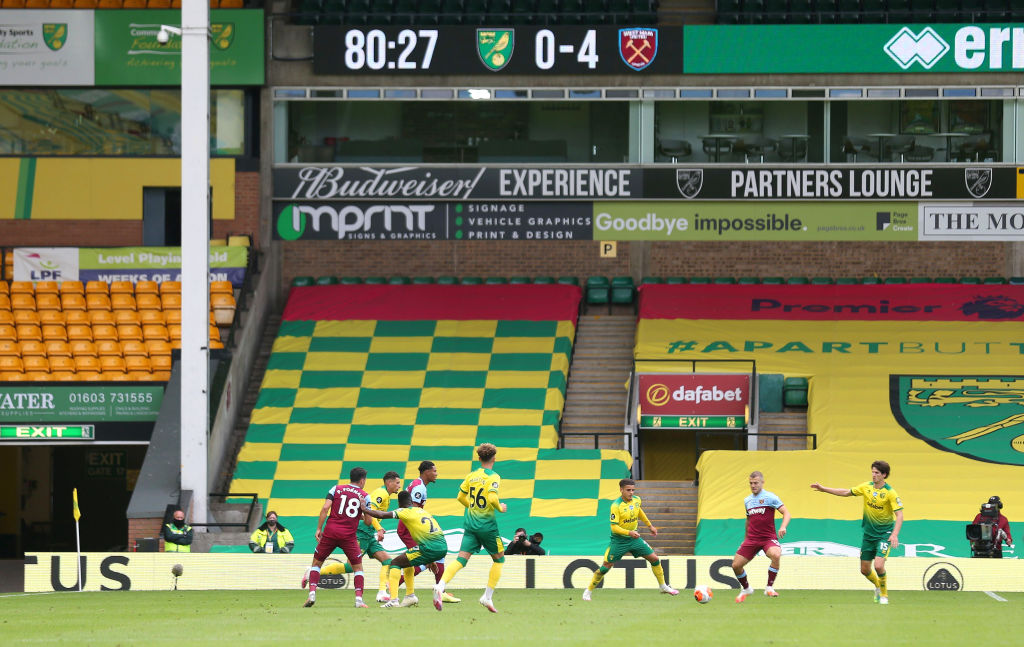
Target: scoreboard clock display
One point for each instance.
(571, 50)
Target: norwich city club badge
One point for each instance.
(979, 417)
(55, 35)
(222, 34)
(494, 46)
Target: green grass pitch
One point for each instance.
(526, 617)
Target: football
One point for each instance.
(703, 594)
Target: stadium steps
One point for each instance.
(227, 513)
(672, 508)
(602, 359)
(252, 392)
(783, 423)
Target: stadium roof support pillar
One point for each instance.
(195, 252)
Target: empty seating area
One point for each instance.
(112, 4)
(828, 280)
(866, 11)
(71, 331)
(475, 12)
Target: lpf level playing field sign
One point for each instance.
(666, 394)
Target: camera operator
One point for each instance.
(523, 545)
(990, 514)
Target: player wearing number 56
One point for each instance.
(271, 537)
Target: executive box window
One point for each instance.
(456, 132)
(97, 121)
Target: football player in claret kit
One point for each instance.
(343, 510)
(760, 507)
(625, 513)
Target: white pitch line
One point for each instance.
(18, 595)
(995, 597)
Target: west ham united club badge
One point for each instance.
(638, 47)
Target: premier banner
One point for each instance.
(760, 183)
(133, 264)
(44, 48)
(47, 572)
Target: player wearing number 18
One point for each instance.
(479, 494)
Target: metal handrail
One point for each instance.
(743, 433)
(595, 435)
(233, 524)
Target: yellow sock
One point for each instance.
(594, 581)
(384, 570)
(410, 577)
(873, 579)
(659, 573)
(450, 570)
(494, 575)
(882, 585)
(394, 575)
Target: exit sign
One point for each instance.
(47, 432)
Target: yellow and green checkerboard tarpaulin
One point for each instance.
(383, 377)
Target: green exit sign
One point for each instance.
(693, 422)
(47, 432)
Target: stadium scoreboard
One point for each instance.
(556, 49)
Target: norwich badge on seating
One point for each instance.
(638, 46)
(494, 46)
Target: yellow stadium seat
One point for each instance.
(137, 363)
(72, 301)
(148, 301)
(223, 308)
(97, 287)
(237, 240)
(134, 347)
(22, 301)
(172, 317)
(101, 317)
(8, 331)
(114, 376)
(97, 302)
(38, 376)
(146, 287)
(157, 332)
(174, 332)
(121, 302)
(33, 347)
(170, 287)
(77, 317)
(54, 331)
(162, 376)
(60, 363)
(176, 344)
(22, 287)
(157, 347)
(82, 348)
(222, 287)
(129, 331)
(63, 376)
(12, 376)
(80, 331)
(48, 301)
(107, 347)
(29, 331)
(9, 347)
(35, 363)
(72, 287)
(161, 362)
(6, 317)
(47, 287)
(121, 287)
(104, 331)
(123, 317)
(89, 376)
(4, 288)
(26, 317)
(52, 317)
(218, 242)
(111, 363)
(151, 317)
(56, 348)
(141, 376)
(5, 301)
(86, 363)
(171, 301)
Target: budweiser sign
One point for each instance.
(694, 394)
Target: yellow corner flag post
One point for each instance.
(78, 542)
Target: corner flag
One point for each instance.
(74, 498)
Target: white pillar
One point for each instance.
(195, 251)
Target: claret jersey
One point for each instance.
(761, 509)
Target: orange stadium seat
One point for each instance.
(8, 331)
(151, 317)
(86, 363)
(22, 287)
(6, 317)
(129, 331)
(54, 331)
(114, 376)
(218, 287)
(156, 332)
(176, 344)
(47, 287)
(62, 364)
(56, 348)
(37, 4)
(22, 301)
(29, 331)
(85, 4)
(223, 308)
(171, 301)
(231, 4)
(170, 287)
(5, 301)
(172, 317)
(4, 288)
(11, 363)
(79, 331)
(133, 4)
(174, 332)
(158, 347)
(122, 287)
(72, 287)
(104, 331)
(72, 301)
(88, 376)
(35, 363)
(133, 347)
(97, 302)
(162, 376)
(52, 317)
(148, 301)
(38, 376)
(159, 4)
(122, 317)
(101, 317)
(109, 4)
(63, 376)
(48, 301)
(112, 363)
(107, 347)
(137, 363)
(33, 347)
(13, 377)
(77, 317)
(97, 287)
(61, 4)
(161, 362)
(26, 317)
(82, 348)
(9, 347)
(121, 301)
(146, 287)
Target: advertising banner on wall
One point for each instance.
(400, 220)
(507, 50)
(46, 403)
(425, 182)
(128, 52)
(674, 394)
(867, 49)
(970, 221)
(46, 48)
(122, 264)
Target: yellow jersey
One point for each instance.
(880, 506)
(422, 526)
(625, 515)
(481, 491)
(379, 499)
